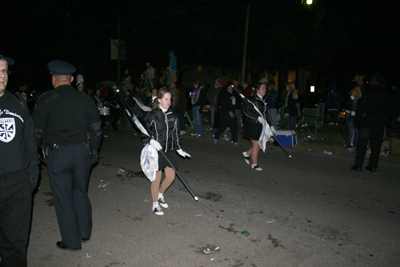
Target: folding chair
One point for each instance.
(308, 124)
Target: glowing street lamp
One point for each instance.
(308, 2)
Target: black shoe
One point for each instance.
(371, 169)
(356, 168)
(84, 240)
(61, 245)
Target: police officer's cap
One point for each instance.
(7, 59)
(60, 67)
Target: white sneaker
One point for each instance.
(256, 167)
(246, 157)
(162, 201)
(157, 210)
(198, 135)
(182, 132)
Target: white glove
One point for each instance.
(155, 144)
(183, 153)
(231, 114)
(261, 119)
(273, 130)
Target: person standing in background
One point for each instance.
(211, 94)
(150, 73)
(172, 77)
(272, 101)
(372, 110)
(290, 107)
(333, 104)
(198, 99)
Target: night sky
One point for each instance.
(333, 38)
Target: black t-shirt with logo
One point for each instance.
(17, 138)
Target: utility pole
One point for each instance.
(245, 44)
(119, 48)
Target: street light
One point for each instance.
(308, 2)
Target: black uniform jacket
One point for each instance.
(162, 127)
(374, 104)
(250, 111)
(65, 116)
(227, 101)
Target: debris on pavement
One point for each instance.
(327, 152)
(245, 233)
(207, 251)
(41, 191)
(121, 171)
(102, 184)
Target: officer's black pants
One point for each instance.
(228, 121)
(372, 130)
(15, 219)
(68, 167)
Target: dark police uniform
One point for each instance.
(64, 119)
(372, 110)
(19, 172)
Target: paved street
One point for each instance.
(311, 210)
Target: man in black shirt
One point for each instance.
(238, 104)
(68, 129)
(372, 110)
(19, 172)
(226, 103)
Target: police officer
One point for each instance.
(19, 172)
(68, 129)
(372, 110)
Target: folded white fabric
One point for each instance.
(149, 161)
(266, 134)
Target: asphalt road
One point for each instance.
(311, 210)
